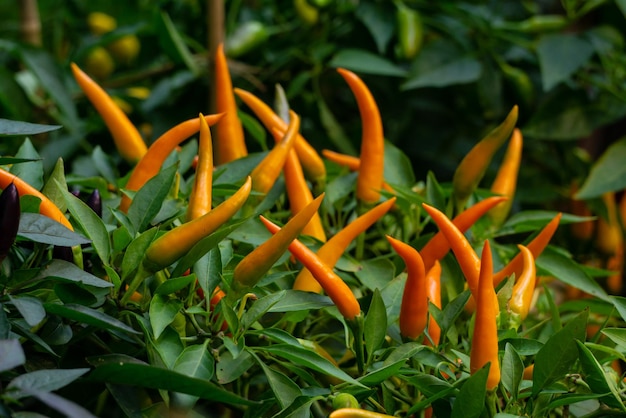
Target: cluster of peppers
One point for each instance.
(300, 164)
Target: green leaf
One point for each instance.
(568, 271)
(522, 346)
(375, 328)
(208, 270)
(365, 62)
(379, 21)
(43, 380)
(40, 228)
(143, 375)
(32, 171)
(620, 304)
(175, 45)
(598, 380)
(171, 286)
(297, 300)
(230, 369)
(44, 67)
(259, 308)
(335, 132)
(398, 167)
(470, 402)
(52, 190)
(148, 200)
(285, 390)
(307, 358)
(91, 225)
(452, 311)
(378, 376)
(607, 174)
(30, 308)
(560, 56)
(618, 335)
(163, 310)
(88, 316)
(533, 220)
(195, 361)
(12, 354)
(375, 273)
(64, 270)
(65, 407)
(461, 70)
(512, 371)
(559, 353)
(168, 346)
(14, 127)
(136, 251)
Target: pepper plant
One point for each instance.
(162, 284)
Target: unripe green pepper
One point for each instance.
(308, 13)
(542, 23)
(410, 31)
(246, 36)
(520, 82)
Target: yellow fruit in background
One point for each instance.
(125, 49)
(99, 63)
(101, 23)
(123, 104)
(139, 92)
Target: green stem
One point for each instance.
(356, 326)
(134, 284)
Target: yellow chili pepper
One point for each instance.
(474, 165)
(46, 207)
(312, 163)
(484, 347)
(172, 245)
(356, 413)
(257, 262)
(336, 289)
(128, 140)
(433, 289)
(414, 306)
(506, 179)
(151, 162)
(372, 157)
(524, 287)
(332, 249)
(229, 138)
(264, 175)
(202, 189)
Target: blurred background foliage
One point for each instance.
(443, 73)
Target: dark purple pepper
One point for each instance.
(9, 218)
(63, 253)
(94, 201)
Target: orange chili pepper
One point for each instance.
(127, 138)
(332, 249)
(472, 168)
(202, 189)
(312, 163)
(257, 262)
(505, 182)
(536, 246)
(46, 207)
(433, 290)
(437, 247)
(414, 306)
(264, 175)
(615, 263)
(484, 347)
(172, 245)
(465, 255)
(300, 195)
(372, 157)
(151, 162)
(229, 142)
(524, 288)
(336, 289)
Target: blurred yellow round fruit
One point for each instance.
(138, 92)
(99, 63)
(125, 49)
(101, 23)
